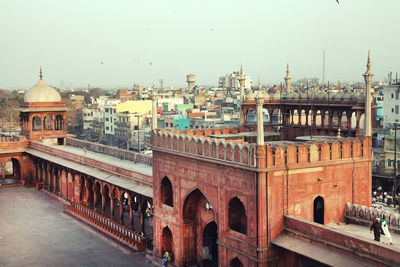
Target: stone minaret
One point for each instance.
(368, 99)
(260, 121)
(154, 109)
(241, 82)
(288, 80)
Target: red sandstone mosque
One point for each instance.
(261, 195)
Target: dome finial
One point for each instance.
(41, 74)
(259, 83)
(241, 69)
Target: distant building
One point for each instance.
(232, 81)
(391, 103)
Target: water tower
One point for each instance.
(191, 78)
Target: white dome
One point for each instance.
(42, 92)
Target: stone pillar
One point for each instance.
(260, 123)
(141, 214)
(94, 199)
(112, 204)
(263, 220)
(368, 98)
(103, 202)
(241, 82)
(131, 213)
(121, 209)
(55, 180)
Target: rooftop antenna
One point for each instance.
(323, 67)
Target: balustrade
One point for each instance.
(123, 234)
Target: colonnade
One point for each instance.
(96, 194)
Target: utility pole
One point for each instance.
(138, 140)
(394, 190)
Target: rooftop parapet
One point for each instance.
(112, 151)
(282, 153)
(200, 143)
(278, 153)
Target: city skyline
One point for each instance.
(117, 45)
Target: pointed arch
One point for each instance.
(166, 192)
(235, 262)
(237, 216)
(319, 210)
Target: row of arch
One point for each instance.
(236, 211)
(305, 153)
(308, 117)
(124, 206)
(208, 147)
(48, 123)
(195, 206)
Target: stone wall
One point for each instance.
(112, 151)
(366, 215)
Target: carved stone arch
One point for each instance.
(245, 155)
(214, 149)
(229, 151)
(181, 143)
(279, 156)
(325, 152)
(237, 153)
(200, 146)
(192, 144)
(222, 150)
(335, 151)
(291, 154)
(237, 215)
(166, 191)
(169, 141)
(175, 142)
(207, 147)
(346, 149)
(158, 137)
(314, 153)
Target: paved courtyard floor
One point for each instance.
(34, 231)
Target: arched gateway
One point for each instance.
(200, 242)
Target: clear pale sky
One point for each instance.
(70, 39)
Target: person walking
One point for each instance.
(377, 227)
(385, 227)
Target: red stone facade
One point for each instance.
(43, 120)
(264, 183)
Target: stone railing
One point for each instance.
(200, 145)
(364, 215)
(109, 227)
(112, 151)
